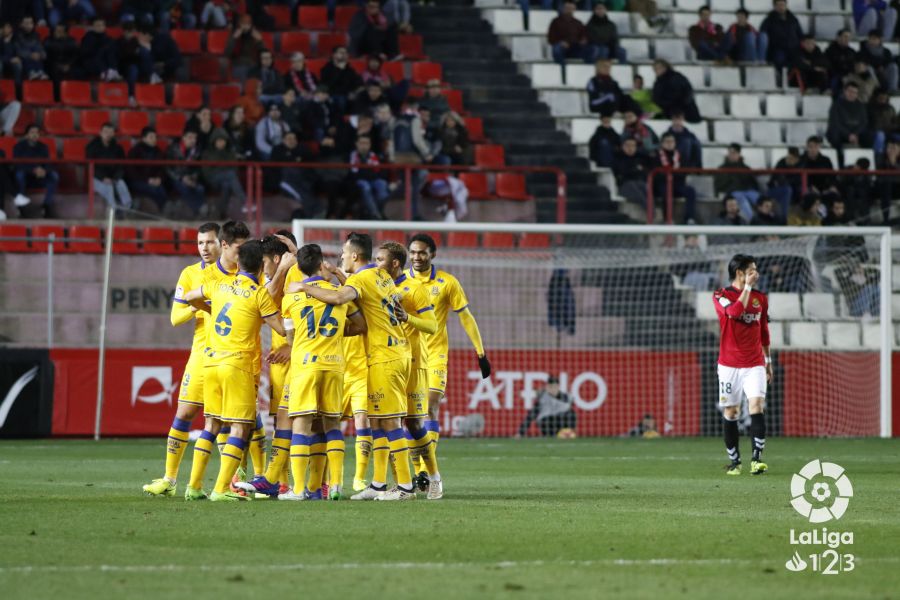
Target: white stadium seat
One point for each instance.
(695, 74)
(784, 306)
(806, 335)
(797, 133)
(745, 105)
(728, 6)
(704, 307)
(755, 158)
(624, 76)
(527, 48)
(690, 5)
(710, 105)
(578, 74)
(546, 76)
(758, 6)
(776, 154)
(766, 133)
(843, 335)
(816, 107)
(649, 75)
(622, 20)
(713, 156)
(871, 335)
(658, 126)
(565, 103)
(827, 26)
(760, 79)
(729, 132)
(635, 48)
(895, 304)
(819, 306)
(540, 20)
(510, 21)
(776, 335)
(823, 6)
(670, 49)
(781, 106)
(701, 130)
(682, 21)
(583, 128)
(851, 155)
(725, 78)
(831, 153)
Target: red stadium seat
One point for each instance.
(40, 92)
(511, 186)
(217, 40)
(315, 65)
(112, 94)
(126, 240)
(462, 239)
(159, 240)
(75, 93)
(114, 32)
(497, 240)
(42, 32)
(7, 90)
(296, 41)
(312, 17)
(422, 72)
(490, 155)
(187, 40)
(395, 70)
(268, 40)
(534, 240)
(27, 116)
(187, 241)
(411, 46)
(454, 99)
(13, 231)
(7, 143)
(132, 121)
(74, 148)
(475, 128)
(85, 239)
(59, 121)
(187, 95)
(77, 33)
(39, 231)
(392, 236)
(170, 123)
(206, 69)
(358, 64)
(51, 145)
(223, 97)
(477, 185)
(343, 15)
(437, 236)
(93, 120)
(326, 42)
(150, 95)
(281, 15)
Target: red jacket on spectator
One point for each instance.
(566, 29)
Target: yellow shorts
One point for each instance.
(192, 383)
(416, 393)
(437, 378)
(316, 392)
(356, 399)
(278, 378)
(387, 389)
(229, 394)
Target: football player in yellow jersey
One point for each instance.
(388, 357)
(446, 295)
(190, 398)
(239, 306)
(417, 315)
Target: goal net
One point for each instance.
(624, 318)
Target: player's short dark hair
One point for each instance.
(288, 234)
(272, 246)
(250, 256)
(425, 239)
(739, 262)
(234, 230)
(309, 259)
(362, 243)
(396, 251)
(210, 226)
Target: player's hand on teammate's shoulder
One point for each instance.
(279, 355)
(297, 286)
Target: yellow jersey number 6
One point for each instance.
(223, 321)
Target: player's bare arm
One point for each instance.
(336, 271)
(356, 325)
(196, 299)
(277, 325)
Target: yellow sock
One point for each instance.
(222, 438)
(380, 456)
(400, 454)
(316, 462)
(430, 456)
(334, 445)
(300, 449)
(421, 450)
(281, 451)
(177, 442)
(363, 452)
(202, 451)
(258, 447)
(228, 464)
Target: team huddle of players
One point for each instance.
(372, 347)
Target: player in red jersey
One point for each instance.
(745, 366)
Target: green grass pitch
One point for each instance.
(589, 518)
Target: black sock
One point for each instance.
(758, 433)
(731, 440)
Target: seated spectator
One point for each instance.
(567, 37)
(147, 13)
(147, 181)
(398, 15)
(184, 179)
(319, 115)
(292, 112)
(808, 214)
(30, 51)
(882, 119)
(244, 47)
(269, 131)
(688, 144)
(648, 9)
(217, 14)
(809, 67)
(454, 139)
(371, 32)
(385, 123)
(342, 81)
(394, 91)
(635, 129)
(783, 33)
(604, 143)
(70, 11)
(667, 157)
(434, 101)
(873, 52)
(9, 114)
(603, 36)
(765, 213)
(888, 186)
(10, 63)
(97, 54)
(841, 57)
(62, 51)
(419, 137)
(837, 214)
(366, 102)
(300, 79)
(604, 94)
(744, 42)
(135, 57)
(860, 287)
(299, 184)
(630, 168)
(365, 125)
(271, 80)
(553, 411)
(870, 14)
(814, 159)
(644, 98)
(785, 188)
(222, 179)
(673, 93)
(240, 133)
(109, 180)
(372, 184)
(730, 214)
(32, 175)
(708, 39)
(249, 101)
(865, 80)
(166, 55)
(202, 124)
(856, 188)
(848, 121)
(742, 187)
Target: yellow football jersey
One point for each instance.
(210, 278)
(415, 300)
(318, 329)
(355, 363)
(446, 294)
(375, 295)
(239, 305)
(190, 279)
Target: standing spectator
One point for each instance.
(873, 52)
(270, 131)
(97, 54)
(731, 213)
(244, 47)
(708, 39)
(185, 179)
(848, 121)
(603, 36)
(864, 78)
(841, 57)
(301, 79)
(808, 214)
(809, 67)
(636, 129)
(32, 175)
(398, 15)
(765, 213)
(147, 181)
(30, 51)
(240, 133)
(744, 42)
(667, 157)
(783, 187)
(221, 179)
(342, 81)
(630, 169)
(888, 186)
(567, 37)
(882, 120)
(249, 101)
(202, 124)
(742, 187)
(643, 98)
(372, 33)
(109, 180)
(435, 102)
(454, 139)
(782, 32)
(673, 93)
(814, 159)
(271, 80)
(296, 183)
(9, 114)
(372, 184)
(604, 94)
(62, 51)
(292, 112)
(688, 144)
(217, 14)
(553, 411)
(604, 143)
(166, 55)
(869, 14)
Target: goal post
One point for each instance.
(623, 316)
